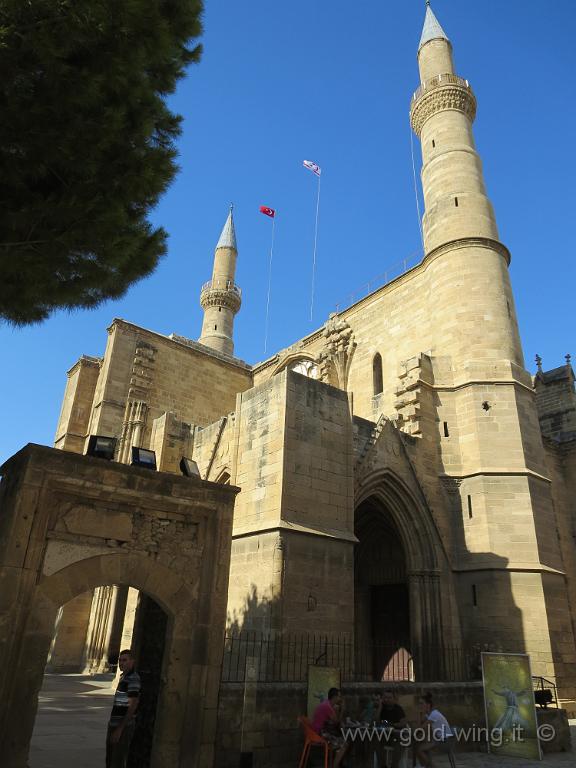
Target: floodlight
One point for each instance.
(141, 457)
(543, 697)
(189, 467)
(102, 447)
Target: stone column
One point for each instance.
(69, 644)
(100, 629)
(426, 625)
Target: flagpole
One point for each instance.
(314, 256)
(269, 284)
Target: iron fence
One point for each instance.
(271, 657)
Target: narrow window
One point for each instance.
(446, 432)
(215, 327)
(508, 305)
(433, 143)
(474, 596)
(219, 309)
(470, 507)
(456, 202)
(377, 374)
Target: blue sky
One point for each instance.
(331, 81)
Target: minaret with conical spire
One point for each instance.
(220, 297)
(459, 224)
(497, 458)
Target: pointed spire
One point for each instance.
(228, 235)
(432, 29)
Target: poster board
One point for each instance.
(509, 705)
(320, 680)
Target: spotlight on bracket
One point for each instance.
(189, 468)
(102, 447)
(141, 457)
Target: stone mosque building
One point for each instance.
(403, 477)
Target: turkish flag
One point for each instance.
(267, 211)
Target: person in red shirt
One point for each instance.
(326, 722)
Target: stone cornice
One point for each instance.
(283, 525)
(87, 360)
(497, 472)
(473, 383)
(468, 242)
(509, 566)
(449, 96)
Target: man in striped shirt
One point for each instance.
(121, 725)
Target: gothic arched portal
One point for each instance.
(381, 596)
(404, 605)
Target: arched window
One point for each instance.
(377, 374)
(306, 368)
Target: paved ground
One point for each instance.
(73, 711)
(70, 728)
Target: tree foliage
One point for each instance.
(86, 145)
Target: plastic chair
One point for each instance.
(312, 739)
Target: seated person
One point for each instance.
(326, 721)
(371, 709)
(439, 732)
(391, 713)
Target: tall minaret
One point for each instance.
(506, 544)
(459, 221)
(220, 297)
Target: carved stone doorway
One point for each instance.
(382, 604)
(70, 524)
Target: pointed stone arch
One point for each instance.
(411, 516)
(386, 478)
(292, 358)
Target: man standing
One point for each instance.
(121, 725)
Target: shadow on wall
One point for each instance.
(257, 614)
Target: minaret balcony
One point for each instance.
(221, 293)
(435, 82)
(438, 94)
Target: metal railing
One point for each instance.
(277, 658)
(221, 285)
(439, 80)
(392, 272)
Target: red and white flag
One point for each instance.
(267, 211)
(312, 167)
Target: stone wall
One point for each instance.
(271, 730)
(77, 404)
(261, 719)
(163, 374)
(556, 401)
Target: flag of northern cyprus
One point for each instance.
(312, 167)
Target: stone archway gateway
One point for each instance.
(71, 523)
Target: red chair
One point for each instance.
(312, 739)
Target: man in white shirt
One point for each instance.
(437, 729)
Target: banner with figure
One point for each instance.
(320, 680)
(509, 703)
